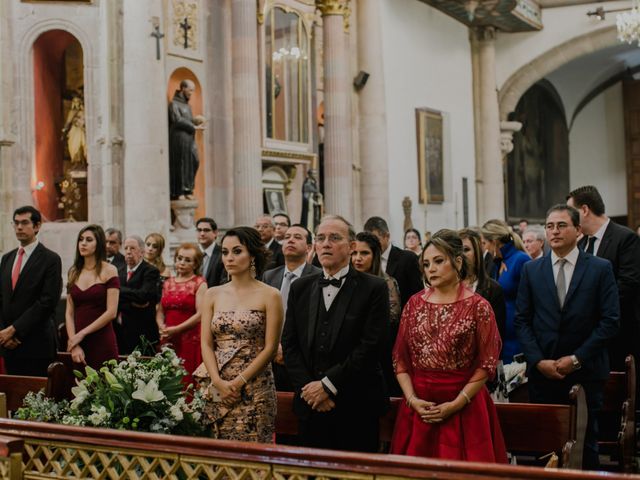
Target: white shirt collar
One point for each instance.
(133, 269)
(341, 273)
(209, 250)
(600, 233)
(297, 272)
(268, 244)
(28, 250)
(571, 257)
(385, 254)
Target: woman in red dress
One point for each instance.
(178, 314)
(447, 347)
(92, 301)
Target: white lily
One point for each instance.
(148, 392)
(80, 394)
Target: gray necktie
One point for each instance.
(289, 278)
(561, 283)
(205, 264)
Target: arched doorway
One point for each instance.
(538, 166)
(195, 102)
(59, 176)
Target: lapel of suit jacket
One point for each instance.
(278, 277)
(307, 270)
(549, 279)
(342, 303)
(32, 261)
(606, 240)
(392, 261)
(578, 273)
(136, 272)
(5, 282)
(315, 297)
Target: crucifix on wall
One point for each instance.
(186, 27)
(157, 35)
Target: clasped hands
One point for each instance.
(8, 339)
(318, 399)
(556, 369)
(429, 412)
(230, 391)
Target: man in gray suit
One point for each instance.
(296, 246)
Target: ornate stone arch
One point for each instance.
(520, 81)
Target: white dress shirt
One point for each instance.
(384, 258)
(329, 292)
(569, 266)
(599, 234)
(28, 250)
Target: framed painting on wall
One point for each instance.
(429, 129)
(275, 201)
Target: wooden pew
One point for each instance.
(527, 428)
(15, 387)
(616, 421)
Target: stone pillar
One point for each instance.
(489, 166)
(373, 119)
(146, 163)
(6, 140)
(247, 168)
(220, 169)
(338, 165)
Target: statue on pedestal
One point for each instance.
(74, 132)
(311, 201)
(183, 151)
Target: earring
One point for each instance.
(253, 268)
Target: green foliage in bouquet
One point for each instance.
(135, 394)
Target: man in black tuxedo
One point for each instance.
(30, 287)
(566, 312)
(114, 243)
(333, 340)
(266, 228)
(402, 265)
(212, 268)
(138, 299)
(621, 246)
(297, 243)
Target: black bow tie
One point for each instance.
(325, 282)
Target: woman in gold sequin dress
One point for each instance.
(447, 347)
(241, 325)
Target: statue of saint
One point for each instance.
(311, 201)
(183, 152)
(74, 132)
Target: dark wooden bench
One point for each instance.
(527, 428)
(15, 387)
(616, 421)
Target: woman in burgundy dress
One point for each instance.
(447, 347)
(92, 301)
(178, 314)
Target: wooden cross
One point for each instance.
(186, 27)
(158, 35)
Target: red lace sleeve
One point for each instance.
(401, 349)
(113, 282)
(487, 338)
(199, 281)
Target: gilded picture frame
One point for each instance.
(430, 142)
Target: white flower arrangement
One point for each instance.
(628, 24)
(134, 394)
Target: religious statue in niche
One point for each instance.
(312, 201)
(183, 151)
(74, 133)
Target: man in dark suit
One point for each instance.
(402, 265)
(334, 336)
(297, 243)
(137, 301)
(212, 268)
(621, 246)
(566, 312)
(30, 287)
(114, 243)
(265, 226)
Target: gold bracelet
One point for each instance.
(464, 394)
(243, 379)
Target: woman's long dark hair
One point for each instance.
(100, 254)
(250, 238)
(478, 265)
(376, 250)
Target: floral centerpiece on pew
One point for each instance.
(144, 394)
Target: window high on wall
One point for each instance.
(287, 85)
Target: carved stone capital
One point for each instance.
(485, 34)
(507, 129)
(336, 7)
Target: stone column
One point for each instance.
(338, 165)
(373, 118)
(489, 166)
(247, 168)
(220, 169)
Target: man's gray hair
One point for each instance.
(138, 239)
(538, 230)
(352, 232)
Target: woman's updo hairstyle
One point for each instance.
(499, 230)
(449, 242)
(250, 238)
